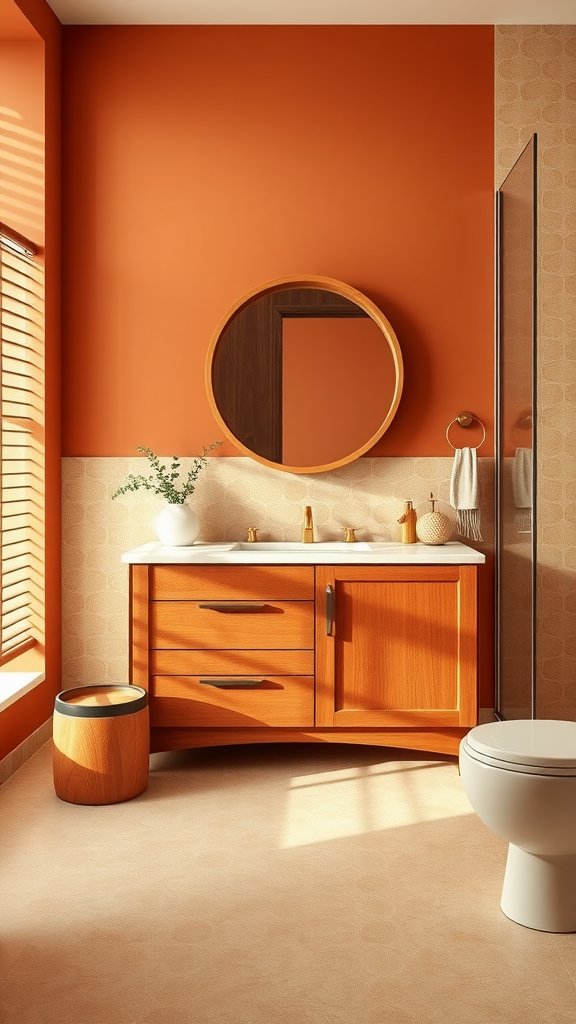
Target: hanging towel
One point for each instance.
(464, 493)
(522, 489)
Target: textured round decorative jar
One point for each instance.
(177, 525)
(434, 527)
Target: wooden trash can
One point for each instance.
(101, 743)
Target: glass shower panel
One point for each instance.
(516, 440)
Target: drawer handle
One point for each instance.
(329, 609)
(231, 684)
(235, 606)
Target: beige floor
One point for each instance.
(268, 885)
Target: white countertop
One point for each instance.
(336, 553)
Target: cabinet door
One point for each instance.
(396, 646)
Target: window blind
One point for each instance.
(22, 464)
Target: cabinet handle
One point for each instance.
(231, 684)
(234, 606)
(329, 609)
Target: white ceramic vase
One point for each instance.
(177, 525)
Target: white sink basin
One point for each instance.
(298, 546)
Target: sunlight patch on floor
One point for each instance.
(352, 801)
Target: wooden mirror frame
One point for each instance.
(327, 284)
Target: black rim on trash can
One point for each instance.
(64, 707)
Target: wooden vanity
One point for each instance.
(374, 652)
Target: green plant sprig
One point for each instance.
(163, 480)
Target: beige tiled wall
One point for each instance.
(231, 495)
(535, 91)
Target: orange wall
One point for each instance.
(202, 161)
(27, 714)
(22, 137)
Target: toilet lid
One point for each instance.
(547, 744)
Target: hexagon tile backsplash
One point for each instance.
(535, 91)
(231, 494)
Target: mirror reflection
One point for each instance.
(305, 378)
(322, 377)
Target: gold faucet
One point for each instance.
(308, 526)
(252, 534)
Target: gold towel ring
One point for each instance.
(464, 419)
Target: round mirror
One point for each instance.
(304, 374)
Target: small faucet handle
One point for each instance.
(350, 534)
(252, 534)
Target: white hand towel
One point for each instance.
(522, 489)
(464, 493)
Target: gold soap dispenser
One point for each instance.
(408, 521)
(308, 526)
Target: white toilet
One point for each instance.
(520, 778)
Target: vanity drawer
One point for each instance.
(213, 625)
(232, 582)
(225, 663)
(275, 701)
